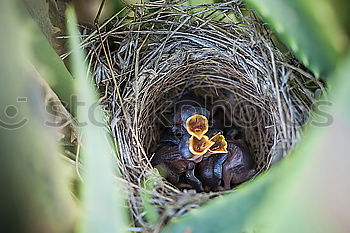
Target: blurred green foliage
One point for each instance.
(44, 56)
(341, 9)
(102, 197)
(310, 30)
(35, 195)
(52, 68)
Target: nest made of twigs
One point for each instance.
(143, 64)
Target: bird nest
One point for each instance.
(145, 60)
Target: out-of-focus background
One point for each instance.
(307, 192)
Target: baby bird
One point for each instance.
(190, 116)
(174, 167)
(187, 156)
(239, 165)
(209, 170)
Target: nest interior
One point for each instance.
(221, 52)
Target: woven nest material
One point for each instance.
(143, 64)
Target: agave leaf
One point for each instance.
(43, 56)
(51, 66)
(101, 193)
(35, 195)
(310, 30)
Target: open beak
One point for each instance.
(200, 146)
(197, 125)
(220, 144)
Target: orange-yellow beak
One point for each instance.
(197, 125)
(200, 146)
(220, 144)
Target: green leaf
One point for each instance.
(315, 198)
(306, 192)
(102, 197)
(35, 195)
(45, 59)
(51, 66)
(227, 214)
(310, 30)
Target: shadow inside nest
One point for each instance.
(238, 107)
(200, 148)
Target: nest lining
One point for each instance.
(144, 64)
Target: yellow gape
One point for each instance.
(220, 144)
(199, 146)
(197, 125)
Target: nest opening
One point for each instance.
(224, 91)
